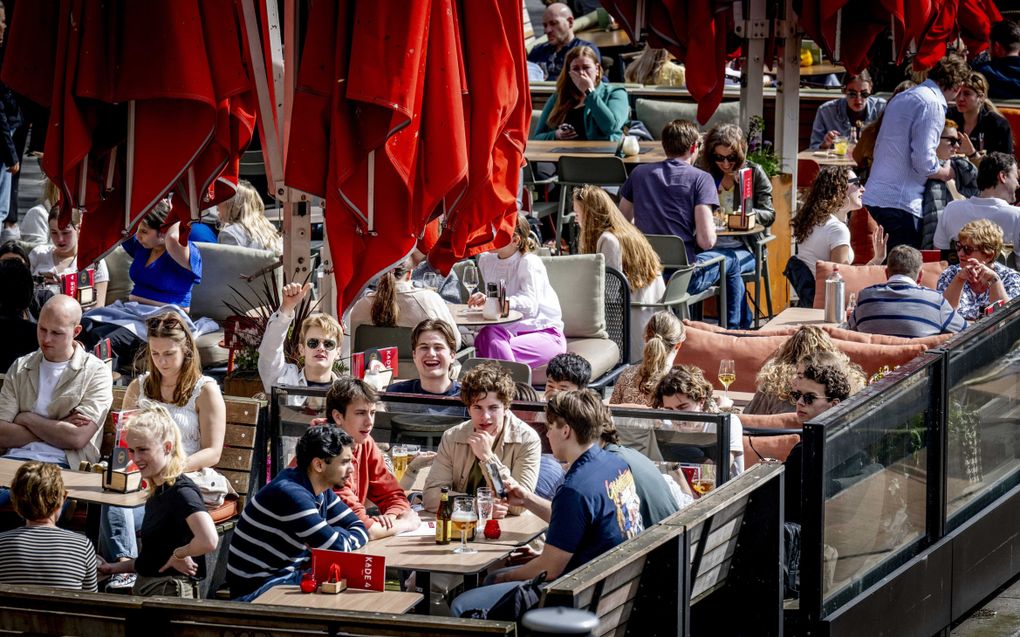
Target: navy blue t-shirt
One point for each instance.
(414, 387)
(596, 508)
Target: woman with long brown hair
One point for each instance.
(983, 129)
(584, 107)
(605, 230)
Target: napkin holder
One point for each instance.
(336, 584)
(740, 222)
(118, 477)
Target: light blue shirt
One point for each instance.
(833, 115)
(905, 149)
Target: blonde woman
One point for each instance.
(178, 531)
(656, 67)
(978, 280)
(605, 230)
(34, 226)
(664, 335)
(243, 221)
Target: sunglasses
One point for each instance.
(328, 343)
(854, 94)
(967, 249)
(953, 141)
(732, 158)
(169, 322)
(797, 396)
(856, 181)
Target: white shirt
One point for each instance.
(41, 260)
(49, 374)
(736, 439)
(527, 289)
(959, 213)
(238, 235)
(819, 244)
(35, 225)
(609, 245)
(414, 305)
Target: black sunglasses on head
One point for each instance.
(328, 343)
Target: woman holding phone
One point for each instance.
(584, 107)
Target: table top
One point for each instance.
(551, 150)
(421, 553)
(515, 530)
(80, 485)
(351, 599)
(757, 229)
(463, 316)
(823, 158)
(795, 317)
(604, 38)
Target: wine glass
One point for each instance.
(431, 280)
(470, 279)
(727, 374)
(463, 521)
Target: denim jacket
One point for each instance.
(832, 115)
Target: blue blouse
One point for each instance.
(163, 280)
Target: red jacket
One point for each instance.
(372, 480)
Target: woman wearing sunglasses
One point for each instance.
(837, 117)
(978, 280)
(938, 193)
(173, 380)
(320, 337)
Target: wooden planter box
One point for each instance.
(245, 384)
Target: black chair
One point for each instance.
(617, 309)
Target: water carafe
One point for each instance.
(835, 299)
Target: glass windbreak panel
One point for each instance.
(874, 484)
(983, 448)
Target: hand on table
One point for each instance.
(522, 555)
(422, 460)
(386, 521)
(830, 139)
(292, 295)
(476, 300)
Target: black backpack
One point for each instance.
(512, 606)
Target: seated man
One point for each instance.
(295, 511)
(673, 197)
(433, 344)
(55, 400)
(596, 508)
(902, 306)
(837, 118)
(566, 372)
(351, 404)
(492, 437)
(1003, 70)
(558, 23)
(997, 182)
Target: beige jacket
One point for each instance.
(86, 386)
(518, 450)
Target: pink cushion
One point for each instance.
(777, 447)
(858, 277)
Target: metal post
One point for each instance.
(788, 95)
(297, 219)
(752, 24)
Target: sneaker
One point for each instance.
(121, 581)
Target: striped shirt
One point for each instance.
(901, 307)
(47, 556)
(278, 526)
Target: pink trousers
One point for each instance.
(534, 349)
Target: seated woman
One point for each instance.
(493, 437)
(583, 107)
(178, 531)
(664, 334)
(821, 227)
(397, 303)
(538, 336)
(34, 225)
(837, 117)
(978, 280)
(684, 388)
(243, 221)
(40, 553)
(605, 230)
(655, 67)
(938, 193)
(319, 341)
(772, 395)
(11, 251)
(984, 130)
(16, 294)
(174, 382)
(60, 256)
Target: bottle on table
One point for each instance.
(443, 523)
(835, 299)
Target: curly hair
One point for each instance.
(568, 95)
(641, 264)
(983, 234)
(687, 380)
(827, 194)
(487, 377)
(780, 368)
(833, 377)
(723, 135)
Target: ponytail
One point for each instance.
(653, 363)
(384, 306)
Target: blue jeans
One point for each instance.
(290, 579)
(483, 597)
(118, 531)
(704, 278)
(5, 192)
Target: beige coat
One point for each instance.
(86, 386)
(518, 450)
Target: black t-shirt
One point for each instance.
(166, 527)
(575, 117)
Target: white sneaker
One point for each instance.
(121, 581)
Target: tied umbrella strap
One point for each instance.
(334, 574)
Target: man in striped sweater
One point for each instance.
(901, 306)
(297, 511)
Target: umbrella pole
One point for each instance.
(82, 181)
(371, 192)
(755, 27)
(788, 94)
(192, 194)
(129, 172)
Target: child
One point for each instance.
(177, 531)
(539, 335)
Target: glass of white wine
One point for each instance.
(470, 279)
(727, 375)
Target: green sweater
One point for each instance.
(605, 112)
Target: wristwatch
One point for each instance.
(589, 91)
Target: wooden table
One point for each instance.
(795, 317)
(515, 530)
(823, 158)
(551, 150)
(605, 38)
(467, 318)
(357, 600)
(750, 232)
(80, 485)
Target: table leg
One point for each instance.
(92, 522)
(470, 581)
(423, 580)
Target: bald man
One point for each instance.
(54, 400)
(558, 22)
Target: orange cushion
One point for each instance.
(225, 511)
(883, 339)
(710, 327)
(778, 447)
(858, 277)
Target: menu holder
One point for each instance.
(80, 285)
(744, 218)
(119, 476)
(358, 570)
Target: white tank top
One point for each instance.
(185, 416)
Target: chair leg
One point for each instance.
(768, 287)
(559, 220)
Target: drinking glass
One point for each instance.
(727, 374)
(464, 521)
(400, 461)
(470, 279)
(486, 499)
(431, 280)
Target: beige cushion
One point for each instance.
(579, 281)
(223, 267)
(655, 114)
(118, 263)
(602, 354)
(209, 351)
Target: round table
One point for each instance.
(473, 318)
(823, 158)
(757, 229)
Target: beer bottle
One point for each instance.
(443, 515)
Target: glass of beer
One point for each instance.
(464, 521)
(705, 481)
(840, 146)
(401, 457)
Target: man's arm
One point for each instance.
(518, 496)
(627, 208)
(704, 227)
(551, 560)
(12, 435)
(924, 139)
(73, 433)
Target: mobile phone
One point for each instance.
(496, 479)
(566, 126)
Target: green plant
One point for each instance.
(760, 151)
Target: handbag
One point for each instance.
(514, 603)
(214, 487)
